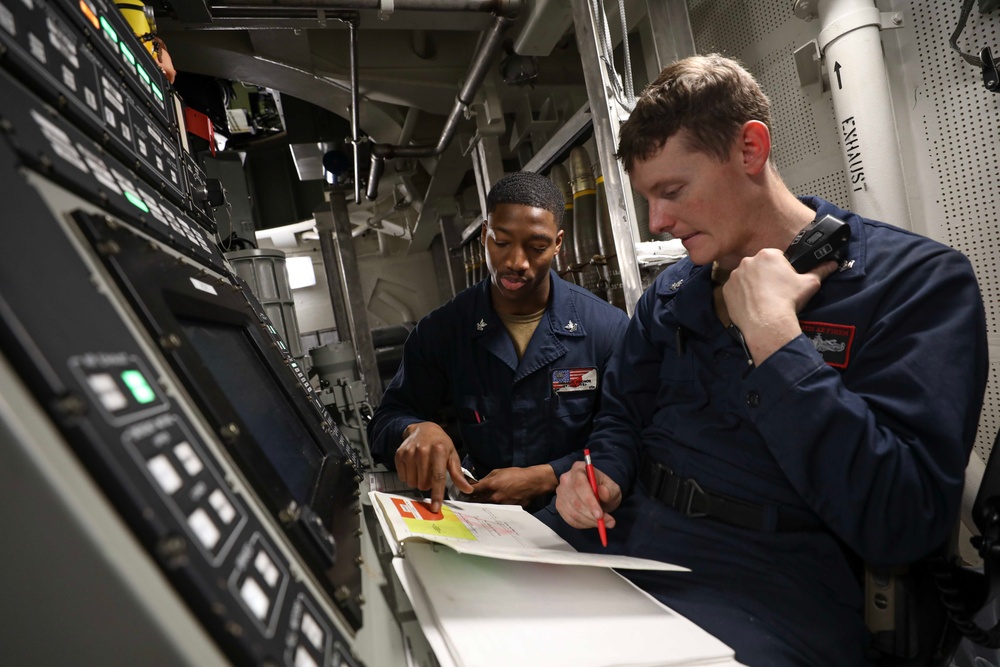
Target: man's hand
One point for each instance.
(515, 486)
(575, 500)
(426, 458)
(764, 295)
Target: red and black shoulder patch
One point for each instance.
(832, 341)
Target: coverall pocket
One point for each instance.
(676, 379)
(570, 418)
(477, 423)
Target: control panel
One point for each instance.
(153, 362)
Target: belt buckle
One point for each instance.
(689, 491)
(659, 474)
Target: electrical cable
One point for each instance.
(629, 88)
(953, 42)
(607, 56)
(955, 605)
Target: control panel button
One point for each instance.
(217, 499)
(266, 569)
(188, 458)
(107, 392)
(119, 383)
(312, 631)
(204, 528)
(164, 474)
(303, 659)
(255, 598)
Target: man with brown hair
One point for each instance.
(839, 422)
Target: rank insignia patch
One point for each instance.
(574, 379)
(832, 341)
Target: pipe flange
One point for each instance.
(806, 10)
(849, 22)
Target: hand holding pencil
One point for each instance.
(586, 496)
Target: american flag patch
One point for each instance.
(574, 379)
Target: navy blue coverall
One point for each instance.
(510, 413)
(862, 426)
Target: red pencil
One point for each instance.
(593, 484)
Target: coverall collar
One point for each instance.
(686, 284)
(561, 318)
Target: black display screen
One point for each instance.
(259, 401)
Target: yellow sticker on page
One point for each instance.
(421, 521)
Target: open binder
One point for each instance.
(492, 585)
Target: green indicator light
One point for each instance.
(281, 345)
(109, 30)
(127, 53)
(271, 329)
(138, 203)
(294, 365)
(142, 75)
(137, 384)
(157, 91)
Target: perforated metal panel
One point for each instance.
(954, 142)
(831, 187)
(960, 127)
(947, 122)
(723, 27)
(795, 136)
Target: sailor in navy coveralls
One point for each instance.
(841, 429)
(520, 358)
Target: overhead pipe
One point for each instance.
(505, 12)
(564, 258)
(500, 7)
(607, 258)
(491, 44)
(850, 41)
(585, 221)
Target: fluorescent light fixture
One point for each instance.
(300, 272)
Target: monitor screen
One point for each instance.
(231, 359)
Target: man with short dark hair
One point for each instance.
(519, 357)
(839, 422)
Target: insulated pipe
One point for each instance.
(585, 221)
(850, 42)
(489, 46)
(467, 263)
(479, 270)
(564, 258)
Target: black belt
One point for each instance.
(686, 496)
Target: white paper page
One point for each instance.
(425, 616)
(383, 522)
(501, 612)
(495, 531)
